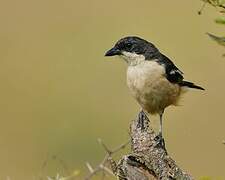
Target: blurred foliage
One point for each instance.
(219, 40)
(216, 3)
(219, 5)
(220, 20)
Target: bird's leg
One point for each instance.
(161, 124)
(141, 118)
(159, 137)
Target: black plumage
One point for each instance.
(173, 74)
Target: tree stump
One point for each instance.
(149, 159)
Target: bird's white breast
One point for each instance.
(148, 84)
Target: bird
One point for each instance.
(152, 78)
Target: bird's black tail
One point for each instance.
(191, 85)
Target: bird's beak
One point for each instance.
(112, 52)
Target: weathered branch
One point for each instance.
(149, 158)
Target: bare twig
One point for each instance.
(56, 158)
(104, 146)
(107, 170)
(102, 167)
(203, 6)
(89, 167)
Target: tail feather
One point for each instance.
(191, 85)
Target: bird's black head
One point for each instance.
(133, 47)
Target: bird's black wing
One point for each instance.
(173, 74)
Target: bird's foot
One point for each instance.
(141, 120)
(160, 142)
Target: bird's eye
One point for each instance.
(128, 45)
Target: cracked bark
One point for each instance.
(149, 159)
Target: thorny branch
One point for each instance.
(102, 167)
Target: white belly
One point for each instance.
(150, 87)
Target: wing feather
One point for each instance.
(173, 74)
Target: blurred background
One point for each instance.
(59, 93)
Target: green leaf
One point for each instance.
(220, 20)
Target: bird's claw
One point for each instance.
(141, 119)
(160, 142)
